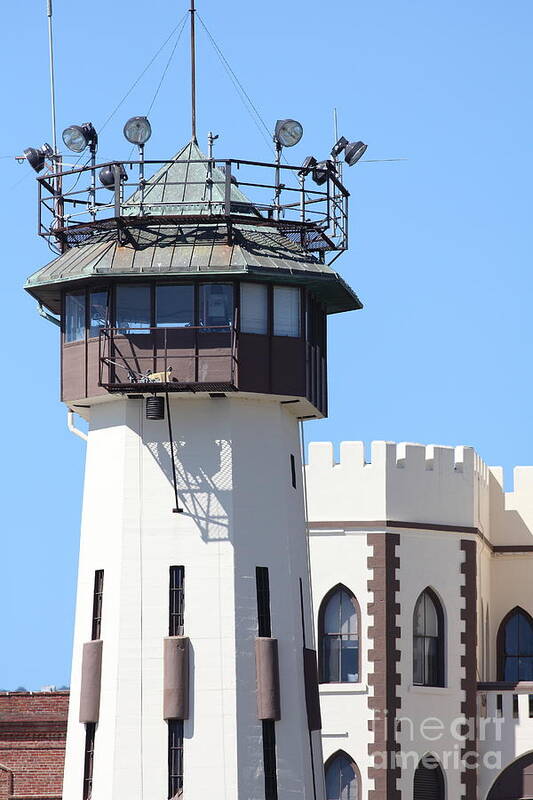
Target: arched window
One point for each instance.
(338, 623)
(343, 780)
(429, 780)
(428, 641)
(515, 647)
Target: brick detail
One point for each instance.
(383, 658)
(469, 661)
(33, 729)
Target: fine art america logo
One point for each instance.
(437, 737)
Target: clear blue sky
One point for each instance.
(440, 244)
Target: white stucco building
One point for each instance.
(437, 561)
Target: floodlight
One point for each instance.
(309, 163)
(339, 147)
(353, 152)
(138, 130)
(322, 171)
(288, 132)
(78, 137)
(107, 175)
(36, 156)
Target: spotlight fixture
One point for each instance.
(107, 175)
(138, 130)
(322, 171)
(78, 137)
(309, 163)
(339, 147)
(353, 152)
(36, 156)
(288, 132)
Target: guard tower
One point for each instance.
(192, 296)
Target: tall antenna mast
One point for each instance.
(52, 75)
(193, 72)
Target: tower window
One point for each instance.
(286, 311)
(174, 306)
(175, 757)
(176, 601)
(254, 308)
(98, 312)
(97, 603)
(133, 307)
(74, 316)
(88, 766)
(339, 637)
(515, 646)
(428, 641)
(264, 627)
(216, 305)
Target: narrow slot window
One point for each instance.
(515, 706)
(293, 471)
(97, 603)
(175, 757)
(176, 601)
(75, 317)
(286, 311)
(254, 308)
(269, 760)
(90, 730)
(264, 627)
(499, 705)
(530, 699)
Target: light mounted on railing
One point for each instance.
(353, 152)
(322, 171)
(107, 176)
(78, 137)
(138, 130)
(307, 166)
(36, 156)
(288, 132)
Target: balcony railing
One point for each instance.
(168, 359)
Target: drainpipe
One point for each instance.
(72, 428)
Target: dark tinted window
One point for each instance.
(174, 306)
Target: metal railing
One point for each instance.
(73, 202)
(146, 357)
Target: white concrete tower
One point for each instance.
(193, 339)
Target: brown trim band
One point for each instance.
(383, 664)
(519, 687)
(469, 662)
(512, 548)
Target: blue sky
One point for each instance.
(440, 244)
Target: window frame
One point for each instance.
(322, 635)
(441, 641)
(343, 754)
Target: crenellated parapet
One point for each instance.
(401, 482)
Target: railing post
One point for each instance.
(227, 190)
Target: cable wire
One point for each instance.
(243, 94)
(145, 70)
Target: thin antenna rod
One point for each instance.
(193, 73)
(52, 75)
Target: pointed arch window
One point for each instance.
(428, 641)
(429, 780)
(343, 781)
(339, 626)
(515, 647)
